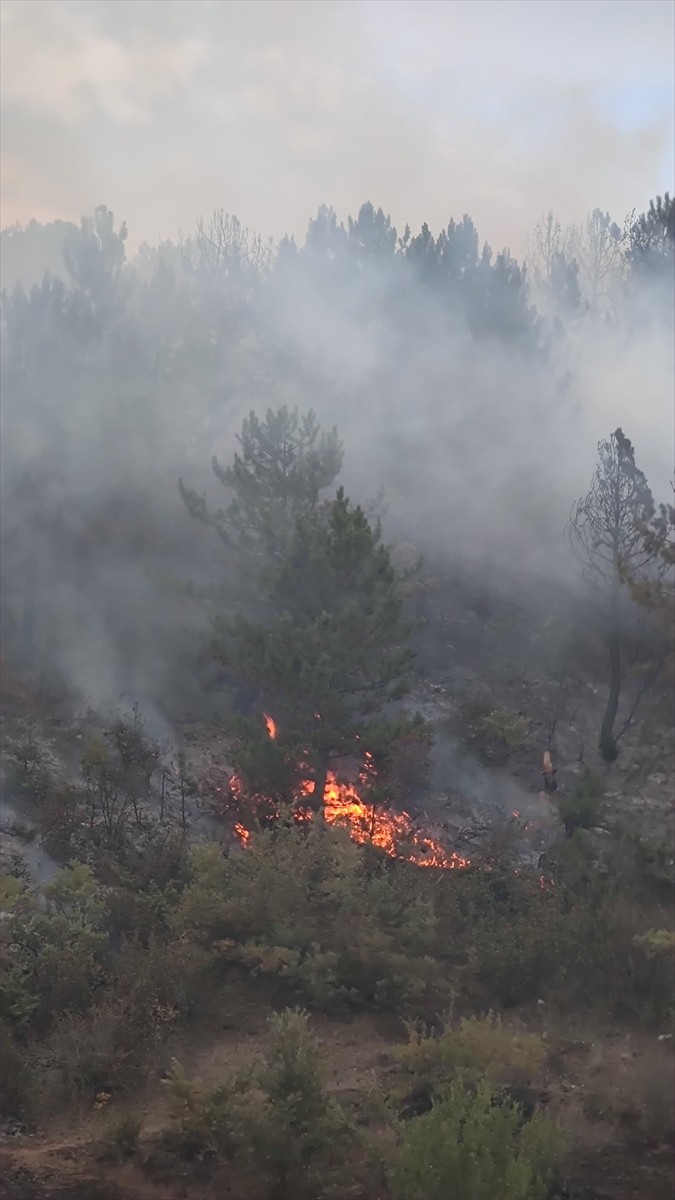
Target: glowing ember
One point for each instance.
(390, 830)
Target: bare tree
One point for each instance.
(605, 532)
(597, 246)
(548, 242)
(225, 257)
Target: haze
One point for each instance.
(166, 111)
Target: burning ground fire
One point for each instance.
(392, 831)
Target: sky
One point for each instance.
(165, 111)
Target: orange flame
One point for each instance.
(391, 830)
(242, 832)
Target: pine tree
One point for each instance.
(334, 656)
(286, 461)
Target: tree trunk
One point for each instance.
(607, 742)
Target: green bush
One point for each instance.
(475, 1048)
(496, 733)
(583, 808)
(52, 964)
(29, 771)
(469, 1147)
(205, 1123)
(302, 905)
(277, 1117)
(656, 943)
(300, 1128)
(121, 1142)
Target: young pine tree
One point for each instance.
(284, 464)
(333, 656)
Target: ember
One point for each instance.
(390, 830)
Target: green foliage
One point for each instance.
(11, 889)
(584, 807)
(656, 943)
(651, 240)
(474, 1049)
(468, 1147)
(53, 960)
(138, 754)
(333, 655)
(29, 768)
(286, 461)
(278, 1115)
(117, 771)
(301, 906)
(121, 1142)
(74, 894)
(496, 733)
(205, 1122)
(301, 1127)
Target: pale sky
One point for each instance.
(268, 108)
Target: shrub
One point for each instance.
(649, 964)
(470, 1148)
(52, 963)
(476, 1048)
(277, 1117)
(29, 768)
(14, 1075)
(584, 806)
(656, 943)
(303, 905)
(205, 1122)
(122, 1138)
(516, 955)
(495, 732)
(11, 890)
(300, 1127)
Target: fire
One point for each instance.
(391, 830)
(242, 832)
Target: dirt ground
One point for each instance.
(611, 1091)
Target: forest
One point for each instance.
(337, 658)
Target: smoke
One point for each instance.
(497, 109)
(454, 381)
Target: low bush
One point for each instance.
(584, 807)
(121, 1141)
(303, 905)
(495, 733)
(276, 1117)
(474, 1049)
(471, 1147)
